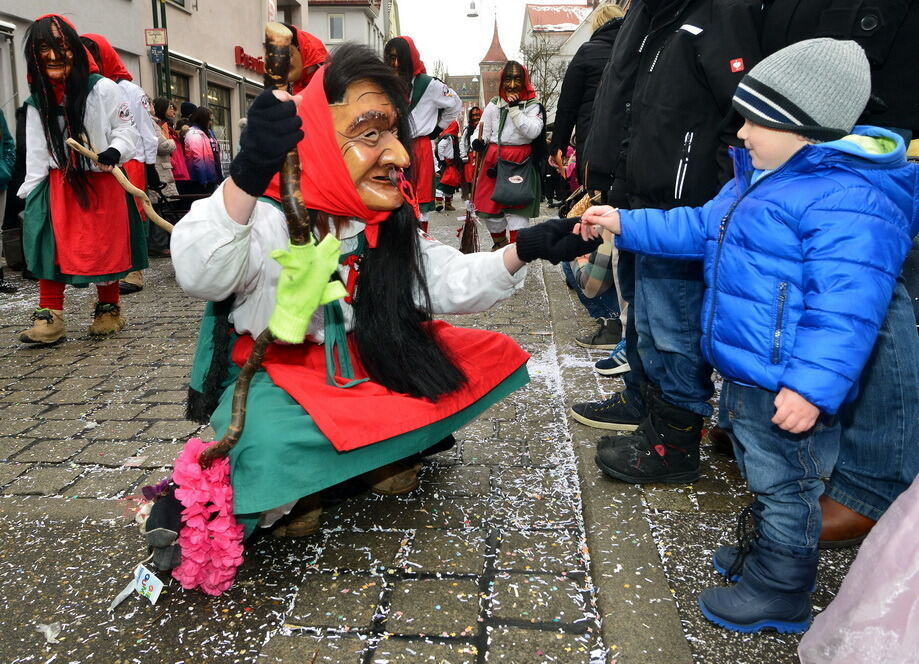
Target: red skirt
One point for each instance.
(423, 168)
(452, 176)
(485, 185)
(96, 240)
(137, 174)
(368, 412)
(469, 168)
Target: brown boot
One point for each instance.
(842, 527)
(303, 519)
(107, 320)
(47, 327)
(448, 205)
(393, 479)
(132, 282)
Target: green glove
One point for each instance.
(303, 286)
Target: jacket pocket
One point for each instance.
(682, 165)
(779, 315)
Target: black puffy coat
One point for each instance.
(662, 115)
(888, 30)
(582, 78)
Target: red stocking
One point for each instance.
(513, 236)
(108, 293)
(50, 294)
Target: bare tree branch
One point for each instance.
(547, 69)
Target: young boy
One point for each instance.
(801, 252)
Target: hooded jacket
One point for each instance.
(663, 110)
(888, 30)
(576, 99)
(799, 265)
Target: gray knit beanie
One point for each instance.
(817, 88)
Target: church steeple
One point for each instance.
(490, 68)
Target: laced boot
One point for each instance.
(773, 593)
(664, 448)
(106, 320)
(47, 327)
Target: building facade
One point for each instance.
(212, 56)
(369, 22)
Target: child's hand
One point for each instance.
(794, 413)
(597, 217)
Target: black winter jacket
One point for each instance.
(580, 86)
(663, 115)
(888, 30)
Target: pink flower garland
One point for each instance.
(211, 539)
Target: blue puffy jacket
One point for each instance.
(799, 265)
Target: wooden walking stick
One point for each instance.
(277, 62)
(125, 184)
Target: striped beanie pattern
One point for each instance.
(817, 88)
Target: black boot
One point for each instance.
(5, 286)
(664, 448)
(773, 593)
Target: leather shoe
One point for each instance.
(842, 527)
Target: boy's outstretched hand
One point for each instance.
(596, 218)
(794, 413)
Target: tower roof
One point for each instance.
(495, 52)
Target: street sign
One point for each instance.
(155, 36)
(157, 55)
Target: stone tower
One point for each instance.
(490, 69)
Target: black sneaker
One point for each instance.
(617, 413)
(607, 335)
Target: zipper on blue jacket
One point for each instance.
(780, 311)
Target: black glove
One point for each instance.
(273, 130)
(153, 178)
(478, 145)
(109, 157)
(553, 241)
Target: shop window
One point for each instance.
(336, 27)
(178, 90)
(218, 100)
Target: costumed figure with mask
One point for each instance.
(80, 228)
(451, 176)
(141, 170)
(308, 54)
(432, 105)
(513, 130)
(467, 154)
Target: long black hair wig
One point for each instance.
(404, 54)
(392, 304)
(76, 90)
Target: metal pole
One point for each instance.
(157, 69)
(167, 68)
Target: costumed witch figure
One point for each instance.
(372, 380)
(449, 155)
(80, 228)
(513, 130)
(141, 170)
(432, 106)
(467, 153)
(308, 54)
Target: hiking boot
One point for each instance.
(393, 479)
(615, 364)
(107, 320)
(303, 519)
(618, 413)
(664, 448)
(773, 593)
(47, 327)
(131, 283)
(500, 244)
(607, 336)
(448, 206)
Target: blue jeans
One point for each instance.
(782, 469)
(668, 296)
(879, 450)
(605, 305)
(635, 379)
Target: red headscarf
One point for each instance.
(451, 130)
(324, 179)
(313, 52)
(111, 65)
(529, 92)
(417, 64)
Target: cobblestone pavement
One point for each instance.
(514, 549)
